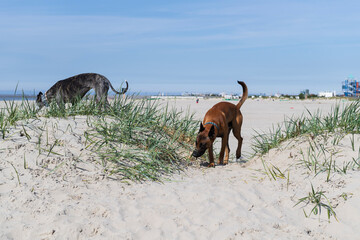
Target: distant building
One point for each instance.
(229, 96)
(351, 87)
(327, 94)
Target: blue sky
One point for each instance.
(176, 46)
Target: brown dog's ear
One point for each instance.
(212, 132)
(201, 127)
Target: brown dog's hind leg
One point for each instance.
(227, 149)
(238, 150)
(237, 133)
(224, 148)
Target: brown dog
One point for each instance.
(218, 122)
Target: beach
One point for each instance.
(70, 197)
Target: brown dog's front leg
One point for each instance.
(224, 146)
(211, 157)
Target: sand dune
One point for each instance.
(65, 195)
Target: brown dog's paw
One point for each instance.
(211, 164)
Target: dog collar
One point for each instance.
(44, 100)
(214, 124)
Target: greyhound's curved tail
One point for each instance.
(244, 96)
(123, 90)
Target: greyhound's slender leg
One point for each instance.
(101, 95)
(59, 101)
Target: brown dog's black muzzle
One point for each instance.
(197, 153)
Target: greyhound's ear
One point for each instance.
(212, 132)
(201, 127)
(38, 97)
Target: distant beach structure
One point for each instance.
(175, 97)
(351, 87)
(327, 94)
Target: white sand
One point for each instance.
(76, 201)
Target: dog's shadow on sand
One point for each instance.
(238, 161)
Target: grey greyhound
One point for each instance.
(74, 88)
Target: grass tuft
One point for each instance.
(316, 198)
(338, 121)
(140, 142)
(136, 139)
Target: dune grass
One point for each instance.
(316, 199)
(346, 121)
(139, 142)
(322, 133)
(135, 139)
(324, 136)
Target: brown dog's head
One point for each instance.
(204, 140)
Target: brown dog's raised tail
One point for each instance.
(244, 96)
